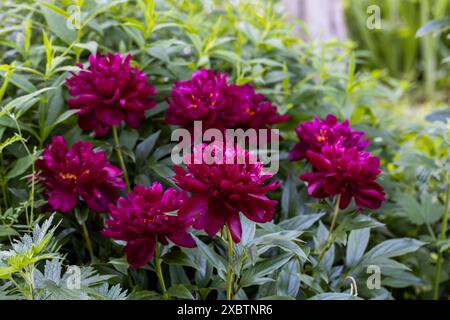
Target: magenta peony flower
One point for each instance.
(144, 217)
(315, 134)
(221, 190)
(345, 171)
(79, 172)
(207, 97)
(108, 92)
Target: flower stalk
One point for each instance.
(3, 183)
(330, 239)
(437, 277)
(88, 241)
(159, 271)
(230, 265)
(120, 157)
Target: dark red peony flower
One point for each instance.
(315, 134)
(108, 92)
(144, 217)
(345, 171)
(79, 172)
(207, 97)
(200, 98)
(221, 190)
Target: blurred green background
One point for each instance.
(397, 48)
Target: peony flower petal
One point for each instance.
(216, 216)
(184, 240)
(140, 251)
(318, 161)
(332, 184)
(346, 197)
(109, 115)
(134, 119)
(63, 200)
(234, 223)
(193, 208)
(258, 208)
(370, 198)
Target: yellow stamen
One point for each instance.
(251, 113)
(322, 136)
(68, 176)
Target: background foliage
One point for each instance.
(407, 57)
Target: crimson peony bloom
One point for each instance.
(207, 97)
(144, 217)
(79, 172)
(221, 190)
(108, 92)
(315, 134)
(345, 171)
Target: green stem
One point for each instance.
(18, 288)
(4, 182)
(5, 199)
(87, 238)
(33, 167)
(119, 155)
(330, 241)
(159, 271)
(437, 277)
(230, 266)
(30, 280)
(143, 56)
(78, 40)
(33, 184)
(43, 110)
(27, 275)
